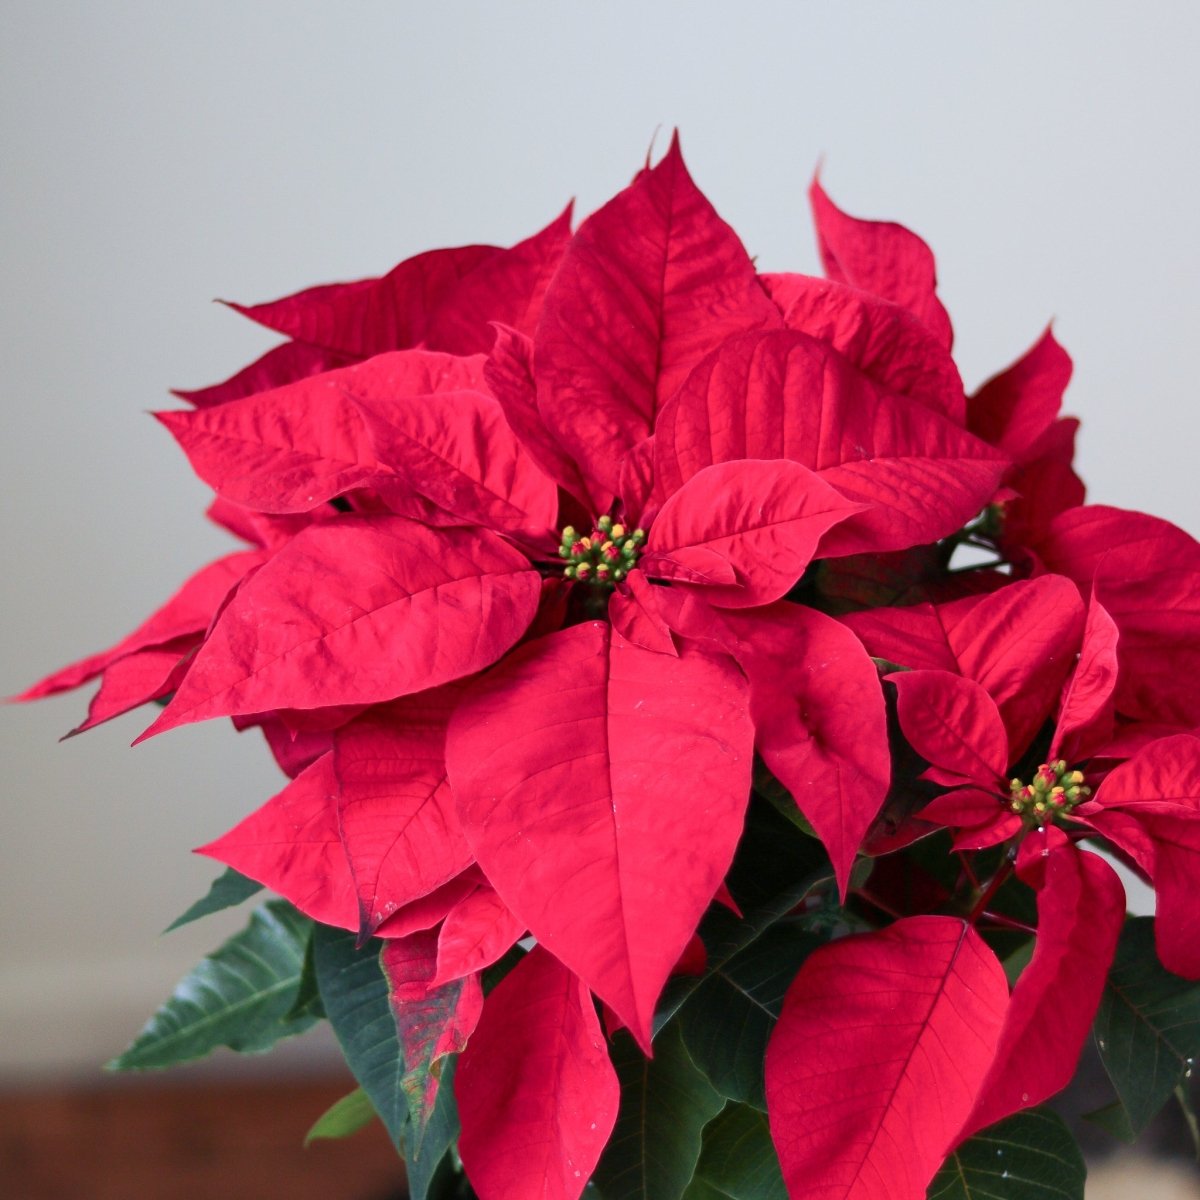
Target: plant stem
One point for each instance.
(1007, 922)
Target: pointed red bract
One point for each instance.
(477, 931)
(284, 364)
(1150, 808)
(372, 316)
(1147, 575)
(395, 809)
(507, 287)
(509, 374)
(1045, 484)
(1018, 644)
(429, 910)
(1086, 715)
(457, 450)
(291, 449)
(1081, 908)
(537, 1094)
(922, 476)
(291, 845)
(635, 615)
(432, 1019)
(879, 1052)
(763, 519)
(1013, 409)
(648, 286)
(602, 789)
(358, 611)
(954, 725)
(819, 721)
(885, 341)
(294, 752)
(880, 257)
(136, 679)
(186, 613)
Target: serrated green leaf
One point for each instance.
(1148, 1025)
(342, 1118)
(228, 889)
(737, 1159)
(1031, 1156)
(354, 994)
(240, 996)
(728, 1019)
(665, 1104)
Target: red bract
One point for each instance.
(878, 1056)
(575, 571)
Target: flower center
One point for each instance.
(1052, 795)
(604, 557)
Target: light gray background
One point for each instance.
(155, 155)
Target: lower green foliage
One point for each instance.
(1148, 1026)
(1031, 1156)
(241, 996)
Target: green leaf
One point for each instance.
(776, 867)
(308, 994)
(240, 996)
(728, 1019)
(665, 1104)
(228, 889)
(354, 993)
(737, 1159)
(1031, 1156)
(1148, 1025)
(346, 1116)
(1114, 1120)
(1190, 1118)
(431, 1167)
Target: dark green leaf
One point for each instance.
(1187, 1105)
(1148, 1025)
(1114, 1120)
(776, 867)
(355, 996)
(229, 888)
(240, 996)
(308, 994)
(737, 1159)
(728, 1019)
(498, 970)
(348, 1115)
(354, 992)
(1031, 1156)
(772, 856)
(432, 1166)
(665, 1104)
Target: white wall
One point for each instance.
(157, 155)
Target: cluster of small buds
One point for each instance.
(1054, 793)
(605, 556)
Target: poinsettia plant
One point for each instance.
(709, 728)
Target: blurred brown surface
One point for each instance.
(147, 1140)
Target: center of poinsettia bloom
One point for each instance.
(605, 556)
(1052, 794)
